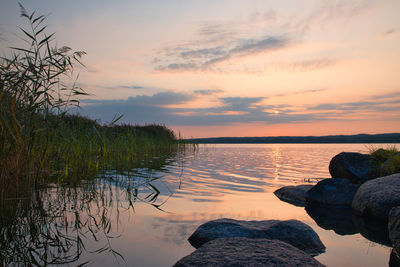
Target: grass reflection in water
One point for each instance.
(57, 224)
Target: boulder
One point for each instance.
(394, 228)
(356, 167)
(293, 232)
(332, 192)
(295, 195)
(377, 197)
(241, 251)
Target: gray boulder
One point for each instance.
(394, 228)
(295, 195)
(293, 232)
(240, 251)
(355, 167)
(377, 197)
(332, 192)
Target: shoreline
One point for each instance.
(387, 138)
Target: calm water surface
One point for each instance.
(145, 220)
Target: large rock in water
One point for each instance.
(332, 192)
(295, 195)
(240, 251)
(293, 232)
(377, 197)
(356, 167)
(394, 229)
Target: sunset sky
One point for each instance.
(231, 68)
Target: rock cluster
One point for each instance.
(355, 199)
(353, 185)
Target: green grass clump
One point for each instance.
(386, 161)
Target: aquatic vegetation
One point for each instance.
(57, 223)
(380, 154)
(386, 161)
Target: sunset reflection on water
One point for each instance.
(238, 181)
(214, 181)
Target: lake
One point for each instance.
(144, 217)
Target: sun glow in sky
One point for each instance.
(232, 68)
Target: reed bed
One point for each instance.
(40, 141)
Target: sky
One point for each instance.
(230, 68)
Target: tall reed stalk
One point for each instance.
(32, 88)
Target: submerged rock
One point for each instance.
(295, 195)
(356, 167)
(332, 192)
(377, 197)
(293, 232)
(394, 228)
(240, 251)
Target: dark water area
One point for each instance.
(144, 217)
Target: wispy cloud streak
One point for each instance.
(203, 59)
(220, 42)
(207, 91)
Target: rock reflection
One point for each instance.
(394, 260)
(343, 222)
(338, 220)
(372, 230)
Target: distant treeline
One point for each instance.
(330, 139)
